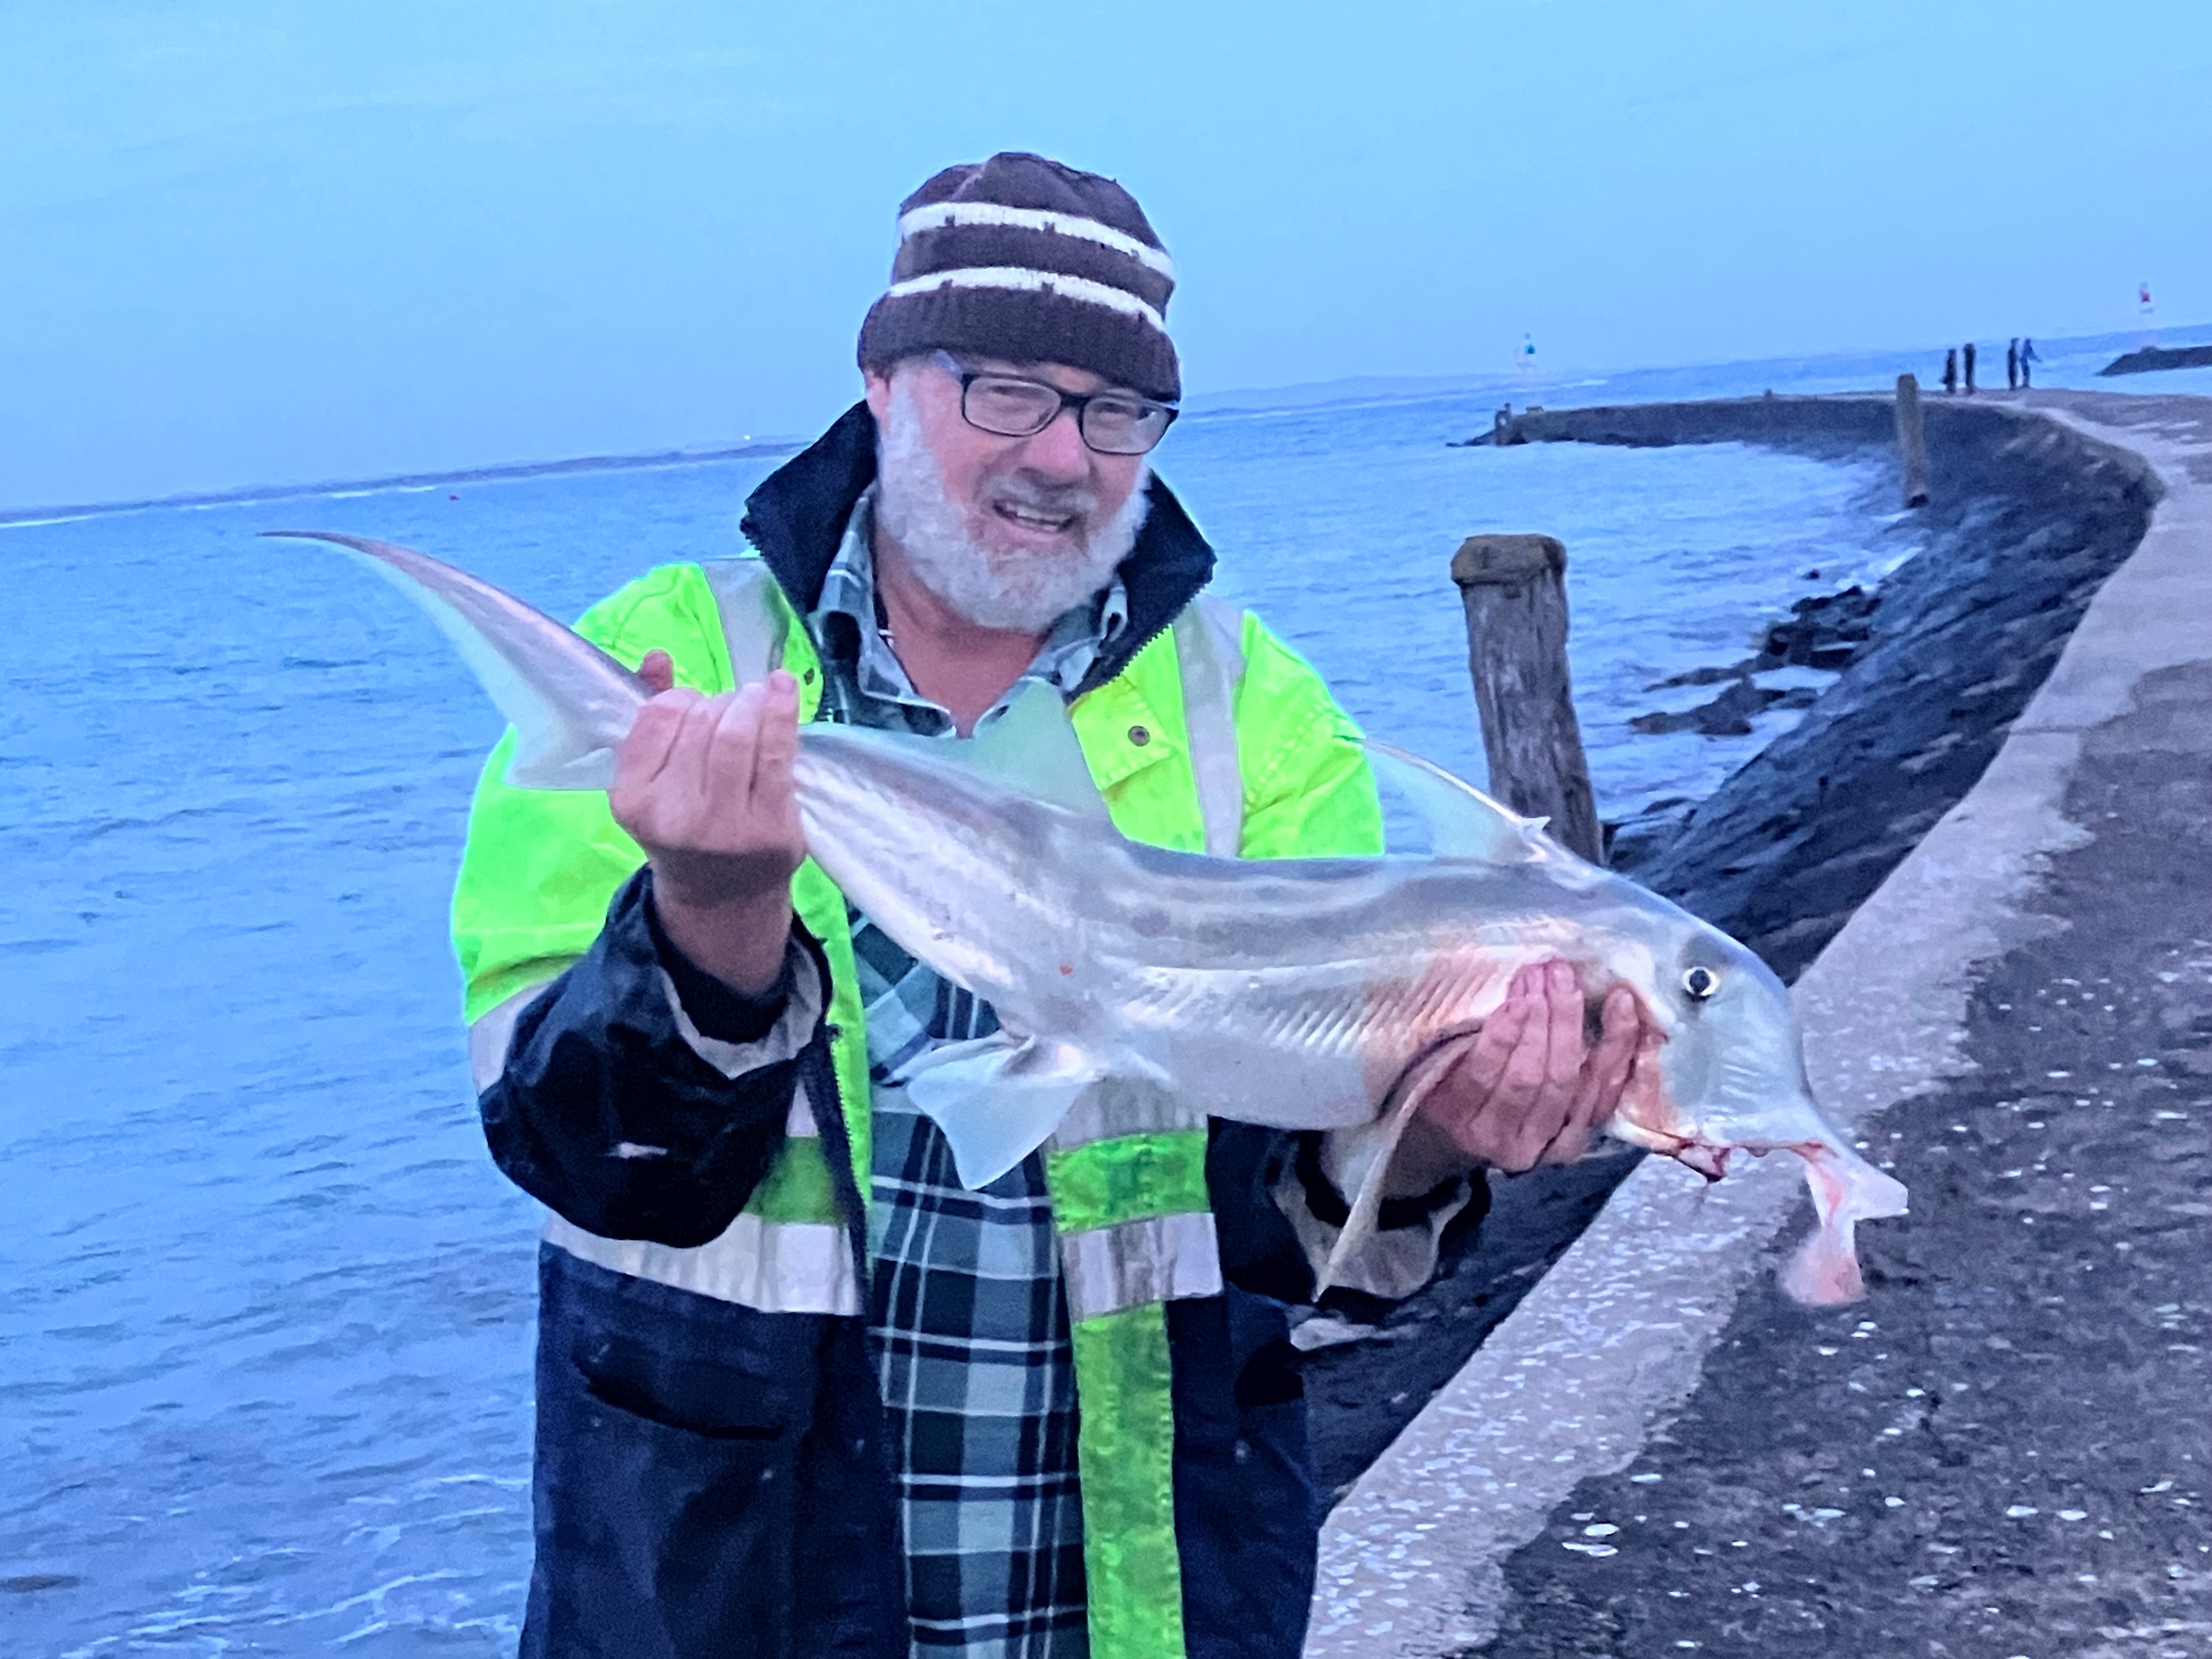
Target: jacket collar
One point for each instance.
(795, 519)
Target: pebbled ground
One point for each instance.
(2007, 1450)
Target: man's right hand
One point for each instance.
(703, 785)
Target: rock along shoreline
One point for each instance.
(2026, 519)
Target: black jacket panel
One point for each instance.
(605, 1114)
(710, 1480)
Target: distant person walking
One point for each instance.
(1951, 371)
(2027, 356)
(1967, 353)
(2012, 365)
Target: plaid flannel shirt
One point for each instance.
(968, 1313)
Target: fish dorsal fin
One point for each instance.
(1032, 747)
(1462, 822)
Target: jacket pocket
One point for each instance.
(714, 1398)
(669, 1429)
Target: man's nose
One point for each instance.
(1059, 449)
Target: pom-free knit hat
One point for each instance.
(1023, 258)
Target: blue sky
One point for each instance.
(246, 243)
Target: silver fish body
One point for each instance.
(1299, 994)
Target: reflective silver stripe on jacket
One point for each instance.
(1158, 1258)
(1210, 651)
(491, 1033)
(777, 1267)
(1124, 1106)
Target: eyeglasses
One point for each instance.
(1008, 406)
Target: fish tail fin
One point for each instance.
(570, 703)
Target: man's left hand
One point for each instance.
(1530, 1087)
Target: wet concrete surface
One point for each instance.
(2006, 1450)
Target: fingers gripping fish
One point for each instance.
(1327, 993)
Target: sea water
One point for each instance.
(265, 1306)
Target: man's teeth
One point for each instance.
(1041, 521)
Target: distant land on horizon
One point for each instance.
(2150, 359)
(1650, 383)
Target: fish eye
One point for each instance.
(1700, 983)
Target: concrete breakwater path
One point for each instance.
(2004, 1451)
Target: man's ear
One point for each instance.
(878, 394)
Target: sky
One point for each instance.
(248, 244)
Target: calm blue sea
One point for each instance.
(265, 1307)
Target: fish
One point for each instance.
(1327, 993)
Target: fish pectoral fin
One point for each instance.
(997, 1099)
(1462, 822)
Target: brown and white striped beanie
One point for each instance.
(1023, 258)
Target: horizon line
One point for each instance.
(1558, 377)
(17, 518)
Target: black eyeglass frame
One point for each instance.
(1080, 402)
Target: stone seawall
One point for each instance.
(2027, 518)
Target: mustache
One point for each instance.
(1022, 488)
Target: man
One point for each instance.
(799, 1392)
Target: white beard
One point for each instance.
(1017, 591)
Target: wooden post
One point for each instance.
(1515, 591)
(1911, 440)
